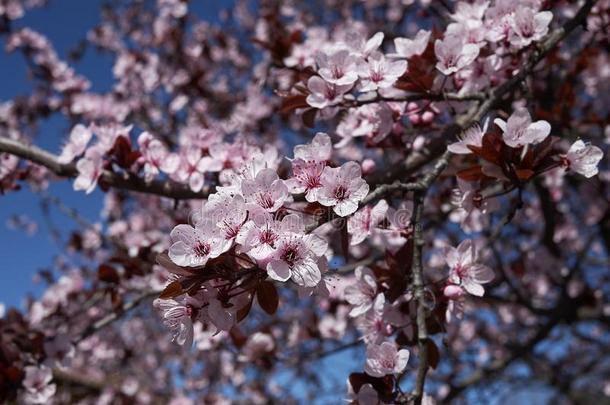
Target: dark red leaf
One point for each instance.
(122, 153)
(345, 243)
(291, 103)
(491, 148)
(173, 290)
(524, 174)
(108, 274)
(383, 386)
(267, 297)
(544, 149)
(434, 355)
(164, 261)
(309, 117)
(473, 173)
(243, 313)
(244, 261)
(238, 337)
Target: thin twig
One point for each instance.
(117, 314)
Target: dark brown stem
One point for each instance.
(418, 287)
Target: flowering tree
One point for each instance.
(418, 183)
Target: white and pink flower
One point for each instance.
(76, 145)
(583, 158)
(343, 188)
(194, 246)
(267, 190)
(379, 73)
(407, 48)
(464, 271)
(385, 359)
(453, 55)
(37, 385)
(361, 294)
(300, 258)
(519, 130)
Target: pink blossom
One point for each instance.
(333, 326)
(343, 188)
(258, 237)
(189, 171)
(464, 269)
(385, 359)
(108, 134)
(308, 165)
(465, 12)
(307, 178)
(373, 121)
(89, 169)
(529, 25)
(156, 157)
(453, 55)
(373, 325)
(362, 47)
(472, 136)
(79, 138)
(257, 346)
(37, 385)
(583, 158)
(267, 190)
(394, 236)
(177, 317)
(364, 221)
(453, 291)
(194, 246)
(519, 130)
(481, 74)
(11, 9)
(362, 293)
(379, 73)
(228, 212)
(337, 68)
(407, 48)
(324, 94)
(298, 257)
(455, 305)
(468, 32)
(472, 209)
(222, 156)
(319, 150)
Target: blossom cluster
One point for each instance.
(518, 134)
(250, 214)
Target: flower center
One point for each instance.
(231, 230)
(290, 255)
(337, 72)
(265, 200)
(202, 249)
(341, 193)
(330, 92)
(461, 271)
(376, 76)
(267, 237)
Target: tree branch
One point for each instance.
(166, 188)
(117, 314)
(418, 286)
